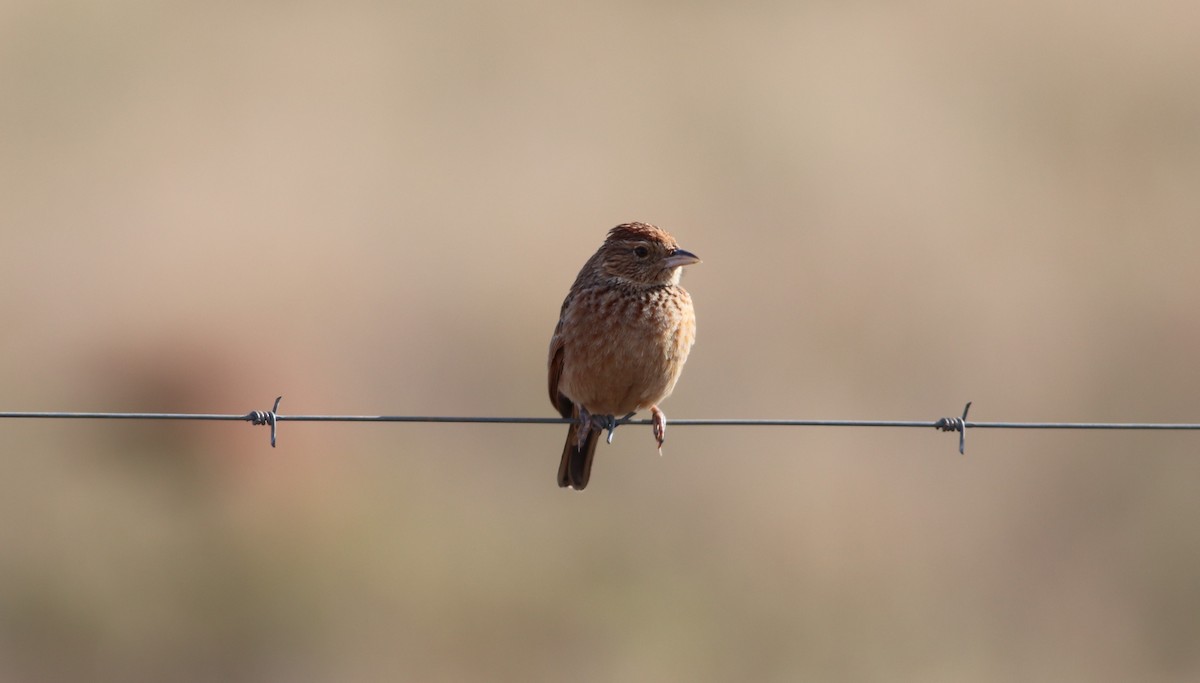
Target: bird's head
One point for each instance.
(643, 254)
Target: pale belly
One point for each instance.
(631, 360)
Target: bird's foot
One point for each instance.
(659, 425)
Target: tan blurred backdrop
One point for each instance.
(377, 207)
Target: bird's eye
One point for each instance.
(641, 252)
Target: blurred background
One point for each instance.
(376, 208)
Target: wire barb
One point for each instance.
(266, 417)
(956, 424)
(611, 422)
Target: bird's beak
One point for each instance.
(680, 257)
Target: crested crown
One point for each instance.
(640, 231)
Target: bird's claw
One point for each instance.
(659, 426)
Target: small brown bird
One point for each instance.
(623, 334)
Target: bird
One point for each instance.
(623, 334)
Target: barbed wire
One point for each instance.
(272, 418)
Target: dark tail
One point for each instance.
(576, 464)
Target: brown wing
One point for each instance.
(564, 405)
(561, 403)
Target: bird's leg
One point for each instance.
(585, 427)
(660, 426)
